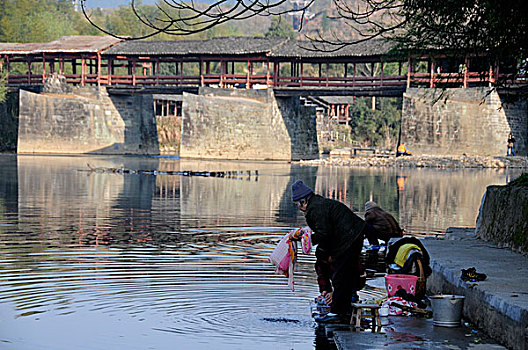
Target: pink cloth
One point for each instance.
(284, 256)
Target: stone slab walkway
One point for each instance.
(407, 332)
(498, 305)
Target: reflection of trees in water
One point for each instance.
(424, 200)
(66, 207)
(433, 200)
(63, 206)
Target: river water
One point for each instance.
(91, 259)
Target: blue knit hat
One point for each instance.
(300, 190)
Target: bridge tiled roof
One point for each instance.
(215, 46)
(272, 47)
(294, 49)
(66, 44)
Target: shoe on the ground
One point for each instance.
(471, 275)
(328, 318)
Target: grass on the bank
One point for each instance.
(520, 181)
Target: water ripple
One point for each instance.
(100, 261)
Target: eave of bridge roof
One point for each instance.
(65, 44)
(18, 48)
(215, 46)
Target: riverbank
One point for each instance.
(422, 161)
(497, 306)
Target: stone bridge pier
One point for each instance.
(215, 123)
(472, 121)
(245, 123)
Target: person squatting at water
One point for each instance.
(402, 151)
(385, 225)
(338, 234)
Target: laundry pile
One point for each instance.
(284, 256)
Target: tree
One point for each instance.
(24, 21)
(375, 127)
(498, 29)
(3, 87)
(280, 28)
(184, 18)
(124, 22)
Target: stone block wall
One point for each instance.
(472, 121)
(247, 124)
(86, 120)
(503, 217)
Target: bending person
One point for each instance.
(341, 233)
(384, 224)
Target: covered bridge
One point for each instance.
(238, 62)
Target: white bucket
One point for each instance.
(447, 310)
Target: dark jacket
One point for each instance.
(334, 225)
(384, 223)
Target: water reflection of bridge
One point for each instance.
(289, 66)
(60, 206)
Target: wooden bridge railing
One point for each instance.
(354, 81)
(249, 81)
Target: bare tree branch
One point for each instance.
(183, 18)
